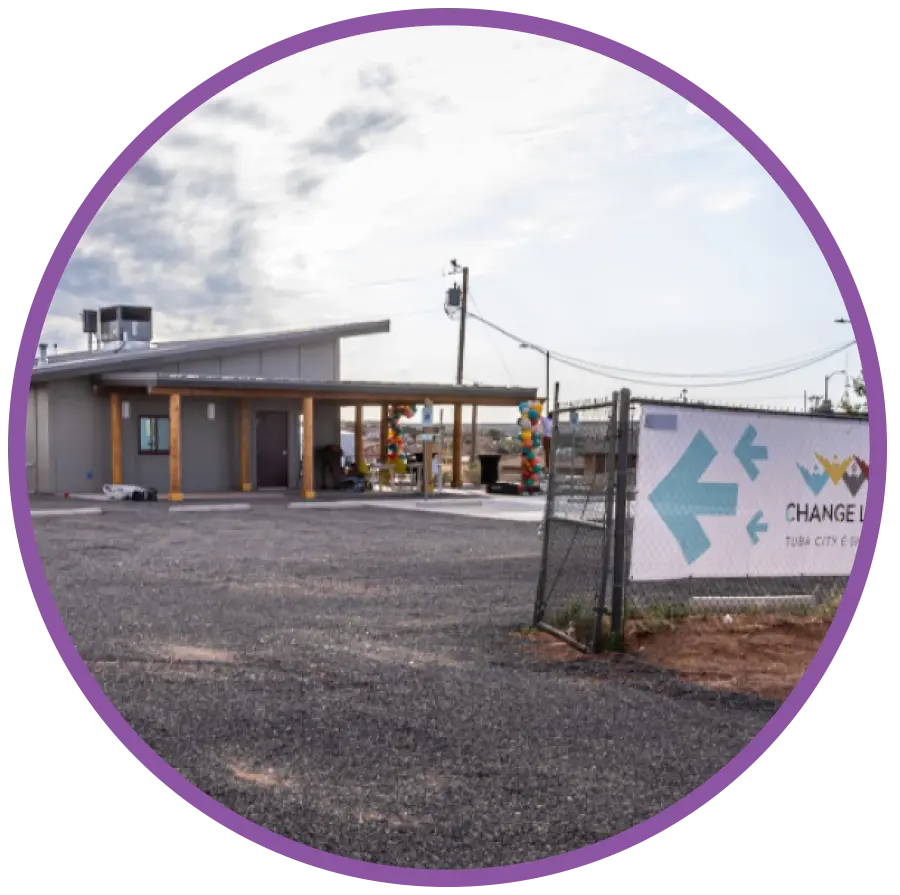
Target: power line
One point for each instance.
(725, 374)
(739, 377)
(724, 383)
(497, 351)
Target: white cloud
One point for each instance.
(598, 217)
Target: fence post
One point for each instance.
(621, 521)
(540, 602)
(610, 493)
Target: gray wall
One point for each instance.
(68, 438)
(70, 442)
(78, 439)
(318, 362)
(37, 441)
(31, 441)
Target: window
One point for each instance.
(154, 435)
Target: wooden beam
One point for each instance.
(309, 481)
(175, 492)
(246, 433)
(358, 441)
(383, 435)
(115, 438)
(457, 445)
(350, 398)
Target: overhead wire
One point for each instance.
(732, 378)
(509, 377)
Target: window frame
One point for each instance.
(154, 418)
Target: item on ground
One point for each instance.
(333, 476)
(130, 492)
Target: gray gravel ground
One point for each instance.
(348, 678)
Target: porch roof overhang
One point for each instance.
(209, 386)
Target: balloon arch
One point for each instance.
(530, 431)
(396, 440)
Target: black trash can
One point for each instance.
(490, 468)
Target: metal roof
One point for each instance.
(407, 392)
(84, 363)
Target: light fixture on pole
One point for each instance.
(826, 404)
(546, 354)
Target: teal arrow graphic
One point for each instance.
(748, 453)
(756, 527)
(681, 497)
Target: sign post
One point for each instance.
(427, 423)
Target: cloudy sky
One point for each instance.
(601, 216)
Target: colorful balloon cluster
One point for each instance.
(396, 449)
(530, 427)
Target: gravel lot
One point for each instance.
(348, 678)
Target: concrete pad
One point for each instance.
(81, 511)
(209, 508)
(506, 509)
(331, 504)
(448, 502)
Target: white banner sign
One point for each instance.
(732, 494)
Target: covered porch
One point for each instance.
(214, 434)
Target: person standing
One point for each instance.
(547, 441)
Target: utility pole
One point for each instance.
(457, 408)
(463, 310)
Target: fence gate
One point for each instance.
(581, 586)
(739, 509)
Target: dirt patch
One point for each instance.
(175, 652)
(765, 655)
(264, 778)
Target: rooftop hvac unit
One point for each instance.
(126, 324)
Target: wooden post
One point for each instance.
(383, 435)
(457, 445)
(358, 441)
(309, 480)
(474, 432)
(115, 436)
(246, 438)
(175, 448)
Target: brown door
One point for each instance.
(271, 449)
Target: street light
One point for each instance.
(826, 404)
(546, 354)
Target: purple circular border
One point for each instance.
(385, 22)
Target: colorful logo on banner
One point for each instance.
(852, 471)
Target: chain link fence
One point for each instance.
(586, 590)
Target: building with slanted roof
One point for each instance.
(240, 413)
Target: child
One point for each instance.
(437, 473)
